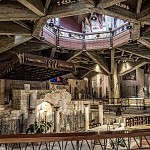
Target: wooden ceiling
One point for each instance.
(21, 21)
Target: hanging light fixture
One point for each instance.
(129, 27)
(41, 36)
(93, 16)
(51, 24)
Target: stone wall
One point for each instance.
(133, 88)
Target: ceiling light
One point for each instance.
(93, 17)
(129, 26)
(42, 37)
(51, 24)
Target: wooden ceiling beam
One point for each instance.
(117, 12)
(34, 5)
(132, 67)
(139, 4)
(11, 28)
(134, 53)
(15, 11)
(144, 42)
(53, 50)
(73, 9)
(145, 30)
(90, 71)
(109, 3)
(39, 24)
(99, 60)
(47, 3)
(144, 15)
(74, 55)
(136, 31)
(8, 43)
(145, 22)
(88, 3)
(21, 23)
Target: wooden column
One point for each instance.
(90, 85)
(2, 92)
(113, 78)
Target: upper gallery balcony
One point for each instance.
(89, 41)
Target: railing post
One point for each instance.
(77, 145)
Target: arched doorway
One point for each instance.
(44, 116)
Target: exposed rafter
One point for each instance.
(74, 55)
(136, 31)
(144, 42)
(8, 43)
(137, 54)
(145, 13)
(34, 5)
(109, 3)
(117, 12)
(11, 12)
(88, 3)
(11, 28)
(38, 26)
(21, 23)
(73, 9)
(99, 60)
(133, 67)
(47, 3)
(139, 4)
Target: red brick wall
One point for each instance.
(70, 23)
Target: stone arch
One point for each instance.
(44, 112)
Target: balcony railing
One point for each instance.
(76, 40)
(89, 36)
(135, 140)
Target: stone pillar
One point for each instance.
(31, 108)
(82, 106)
(100, 114)
(56, 120)
(86, 117)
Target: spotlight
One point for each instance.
(51, 24)
(129, 26)
(84, 50)
(41, 38)
(110, 47)
(130, 40)
(110, 28)
(94, 17)
(58, 48)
